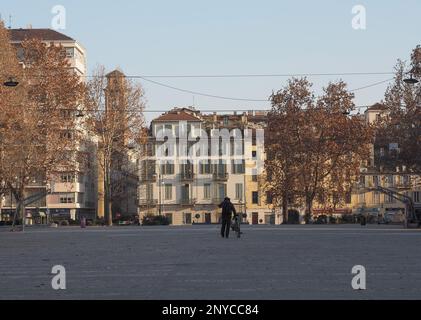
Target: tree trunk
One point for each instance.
(309, 209)
(108, 205)
(284, 209)
(22, 213)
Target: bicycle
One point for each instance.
(235, 226)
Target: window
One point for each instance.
(168, 127)
(269, 197)
(253, 137)
(66, 114)
(222, 190)
(80, 198)
(375, 181)
(225, 120)
(207, 191)
(168, 192)
(187, 218)
(417, 196)
(149, 191)
(239, 191)
(220, 168)
(254, 175)
(68, 135)
(204, 167)
(254, 154)
(158, 129)
(185, 192)
(69, 52)
(389, 199)
(376, 197)
(255, 197)
(67, 198)
(238, 168)
(67, 177)
(348, 197)
(167, 168)
(390, 181)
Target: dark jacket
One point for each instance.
(227, 208)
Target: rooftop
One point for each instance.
(41, 34)
(177, 115)
(377, 106)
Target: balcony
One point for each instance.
(220, 176)
(147, 177)
(217, 201)
(187, 176)
(148, 202)
(403, 185)
(187, 201)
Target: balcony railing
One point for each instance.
(217, 201)
(148, 202)
(187, 201)
(220, 176)
(150, 177)
(403, 185)
(186, 176)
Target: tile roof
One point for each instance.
(177, 116)
(42, 34)
(377, 106)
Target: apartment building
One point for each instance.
(73, 194)
(380, 171)
(190, 191)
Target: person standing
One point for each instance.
(227, 210)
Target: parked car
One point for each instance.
(155, 221)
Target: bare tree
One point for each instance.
(39, 120)
(401, 123)
(114, 108)
(317, 147)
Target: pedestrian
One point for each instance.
(227, 211)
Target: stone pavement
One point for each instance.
(194, 262)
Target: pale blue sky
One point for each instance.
(234, 37)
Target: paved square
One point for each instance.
(194, 262)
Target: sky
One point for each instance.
(193, 37)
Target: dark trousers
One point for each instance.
(226, 224)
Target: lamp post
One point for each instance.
(410, 80)
(11, 82)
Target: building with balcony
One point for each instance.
(73, 194)
(382, 171)
(189, 189)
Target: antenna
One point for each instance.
(10, 21)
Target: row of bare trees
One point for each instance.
(317, 145)
(48, 116)
(400, 123)
(314, 147)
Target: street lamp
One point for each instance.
(410, 80)
(11, 82)
(80, 114)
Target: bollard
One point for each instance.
(83, 222)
